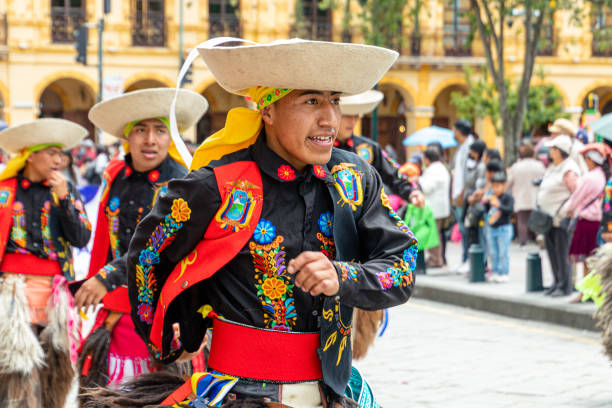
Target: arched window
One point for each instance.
(223, 18)
(66, 16)
(148, 23)
(457, 28)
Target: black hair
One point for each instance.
(499, 177)
(479, 147)
(495, 166)
(563, 154)
(493, 154)
(432, 154)
(464, 126)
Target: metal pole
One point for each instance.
(100, 53)
(375, 121)
(180, 36)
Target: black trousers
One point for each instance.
(557, 246)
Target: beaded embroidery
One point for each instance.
(398, 221)
(273, 283)
(347, 181)
(18, 232)
(162, 236)
(48, 246)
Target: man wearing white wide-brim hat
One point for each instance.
(41, 218)
(274, 236)
(353, 107)
(129, 190)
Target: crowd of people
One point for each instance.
(488, 204)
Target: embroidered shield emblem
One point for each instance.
(237, 207)
(4, 197)
(348, 183)
(364, 151)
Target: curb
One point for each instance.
(519, 307)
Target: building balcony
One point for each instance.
(457, 42)
(148, 30)
(602, 44)
(64, 22)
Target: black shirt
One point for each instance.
(130, 197)
(253, 288)
(46, 226)
(502, 215)
(374, 154)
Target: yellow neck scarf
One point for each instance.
(17, 163)
(242, 126)
(172, 150)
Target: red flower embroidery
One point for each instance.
(286, 173)
(128, 171)
(319, 171)
(154, 175)
(350, 143)
(25, 184)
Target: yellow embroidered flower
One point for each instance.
(274, 288)
(180, 210)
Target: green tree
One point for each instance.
(482, 100)
(492, 18)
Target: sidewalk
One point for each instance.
(509, 299)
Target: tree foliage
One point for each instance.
(481, 101)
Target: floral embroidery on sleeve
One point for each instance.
(399, 275)
(162, 236)
(273, 283)
(398, 221)
(348, 271)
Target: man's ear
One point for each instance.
(267, 114)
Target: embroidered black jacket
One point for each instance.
(130, 197)
(373, 153)
(339, 209)
(47, 228)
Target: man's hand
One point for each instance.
(314, 273)
(90, 294)
(58, 183)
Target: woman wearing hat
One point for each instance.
(352, 108)
(558, 183)
(129, 189)
(273, 238)
(41, 218)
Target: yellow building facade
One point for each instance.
(40, 77)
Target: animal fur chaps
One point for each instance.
(602, 263)
(365, 327)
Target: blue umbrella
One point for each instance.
(431, 134)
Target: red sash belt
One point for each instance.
(262, 354)
(27, 264)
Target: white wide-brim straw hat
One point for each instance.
(360, 104)
(562, 142)
(564, 126)
(42, 131)
(296, 64)
(113, 115)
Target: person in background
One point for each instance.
(68, 169)
(558, 183)
(499, 206)
(475, 181)
(521, 176)
(564, 126)
(584, 205)
(463, 134)
(491, 154)
(435, 183)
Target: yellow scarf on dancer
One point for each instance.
(17, 163)
(242, 126)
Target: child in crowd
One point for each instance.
(499, 207)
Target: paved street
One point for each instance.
(436, 355)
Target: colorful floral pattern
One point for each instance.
(410, 256)
(608, 196)
(162, 236)
(389, 159)
(285, 172)
(326, 236)
(347, 270)
(326, 224)
(45, 230)
(265, 232)
(18, 231)
(272, 97)
(398, 221)
(5, 195)
(112, 214)
(319, 171)
(106, 270)
(398, 275)
(364, 151)
(273, 283)
(153, 176)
